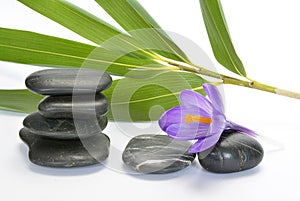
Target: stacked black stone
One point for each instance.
(67, 129)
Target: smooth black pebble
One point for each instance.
(79, 107)
(234, 152)
(64, 128)
(68, 81)
(66, 153)
(157, 154)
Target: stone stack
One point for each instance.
(67, 129)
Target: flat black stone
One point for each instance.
(157, 154)
(68, 106)
(64, 128)
(68, 81)
(234, 152)
(66, 153)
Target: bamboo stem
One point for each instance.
(249, 83)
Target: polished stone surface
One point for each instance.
(68, 81)
(234, 152)
(66, 153)
(79, 107)
(157, 154)
(64, 128)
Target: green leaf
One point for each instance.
(32, 48)
(146, 99)
(19, 100)
(84, 24)
(219, 37)
(37, 49)
(74, 18)
(135, 19)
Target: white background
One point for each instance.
(266, 36)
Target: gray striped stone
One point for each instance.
(64, 128)
(68, 81)
(80, 107)
(66, 153)
(157, 154)
(234, 152)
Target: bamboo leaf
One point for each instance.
(32, 48)
(130, 99)
(37, 49)
(74, 18)
(219, 37)
(84, 24)
(146, 99)
(19, 100)
(133, 17)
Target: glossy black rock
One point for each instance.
(79, 107)
(64, 128)
(68, 81)
(234, 152)
(157, 154)
(66, 153)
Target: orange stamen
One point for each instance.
(190, 118)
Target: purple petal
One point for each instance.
(216, 128)
(218, 125)
(189, 98)
(187, 131)
(172, 116)
(177, 115)
(214, 96)
(194, 111)
(240, 128)
(204, 143)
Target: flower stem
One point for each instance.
(231, 80)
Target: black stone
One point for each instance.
(234, 152)
(68, 81)
(64, 128)
(157, 154)
(66, 153)
(69, 106)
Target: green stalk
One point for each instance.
(230, 80)
(261, 86)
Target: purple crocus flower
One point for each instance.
(199, 118)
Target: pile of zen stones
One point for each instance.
(67, 129)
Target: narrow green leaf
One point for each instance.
(32, 48)
(37, 49)
(219, 37)
(74, 18)
(146, 99)
(133, 17)
(82, 23)
(19, 100)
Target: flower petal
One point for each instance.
(204, 143)
(214, 96)
(172, 116)
(240, 128)
(187, 131)
(177, 115)
(189, 98)
(218, 125)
